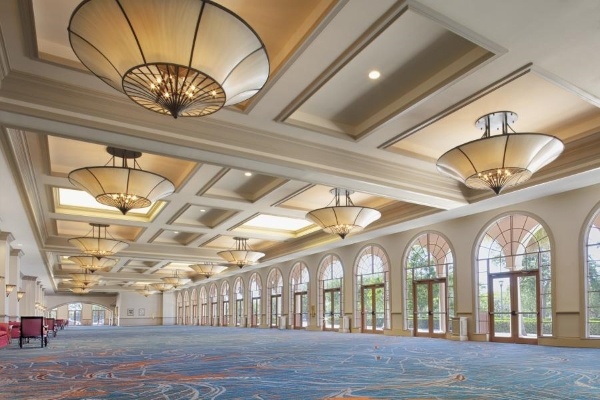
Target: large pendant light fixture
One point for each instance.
(85, 279)
(497, 162)
(100, 244)
(146, 291)
(175, 280)
(241, 255)
(93, 263)
(122, 186)
(177, 57)
(80, 290)
(343, 217)
(162, 287)
(207, 269)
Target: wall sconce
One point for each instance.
(10, 288)
(20, 295)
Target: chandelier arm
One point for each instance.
(198, 20)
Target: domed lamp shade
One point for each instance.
(242, 254)
(85, 279)
(79, 290)
(501, 161)
(343, 217)
(162, 287)
(93, 263)
(183, 58)
(100, 244)
(122, 186)
(146, 291)
(207, 269)
(175, 281)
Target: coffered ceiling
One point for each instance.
(255, 170)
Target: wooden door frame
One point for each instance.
(429, 282)
(372, 287)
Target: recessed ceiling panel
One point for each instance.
(77, 229)
(414, 55)
(175, 237)
(200, 216)
(243, 185)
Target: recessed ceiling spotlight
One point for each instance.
(248, 173)
(374, 74)
(203, 210)
(175, 232)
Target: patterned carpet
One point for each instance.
(228, 363)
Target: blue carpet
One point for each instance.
(231, 363)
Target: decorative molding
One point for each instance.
(16, 253)
(7, 237)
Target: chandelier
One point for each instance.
(343, 217)
(85, 280)
(100, 244)
(242, 254)
(162, 287)
(175, 280)
(122, 186)
(497, 162)
(183, 58)
(207, 269)
(145, 291)
(93, 263)
(79, 290)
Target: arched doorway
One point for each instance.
(225, 311)
(203, 306)
(331, 282)
(299, 278)
(275, 293)
(214, 305)
(179, 309)
(429, 283)
(238, 290)
(194, 307)
(372, 312)
(514, 280)
(255, 293)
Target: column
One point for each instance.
(5, 239)
(27, 303)
(14, 278)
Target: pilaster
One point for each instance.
(5, 239)
(14, 278)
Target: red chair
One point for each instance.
(52, 327)
(15, 332)
(33, 328)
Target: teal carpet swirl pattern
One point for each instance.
(175, 362)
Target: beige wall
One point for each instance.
(565, 217)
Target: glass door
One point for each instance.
(255, 317)
(239, 312)
(300, 310)
(204, 315)
(275, 310)
(430, 313)
(332, 309)
(225, 317)
(373, 312)
(97, 317)
(514, 307)
(214, 312)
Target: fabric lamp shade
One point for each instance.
(93, 263)
(175, 57)
(242, 254)
(207, 270)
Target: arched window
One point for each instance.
(194, 307)
(100, 315)
(275, 293)
(238, 293)
(225, 311)
(299, 279)
(592, 278)
(179, 309)
(186, 308)
(372, 313)
(429, 286)
(203, 306)
(255, 292)
(214, 305)
(514, 280)
(331, 294)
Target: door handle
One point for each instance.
(430, 312)
(513, 313)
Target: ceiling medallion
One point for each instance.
(501, 161)
(241, 255)
(122, 186)
(343, 217)
(184, 58)
(207, 270)
(100, 244)
(93, 263)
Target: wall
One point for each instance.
(565, 217)
(135, 309)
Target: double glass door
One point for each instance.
(214, 313)
(373, 308)
(275, 310)
(255, 312)
(332, 309)
(430, 314)
(514, 307)
(225, 314)
(300, 310)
